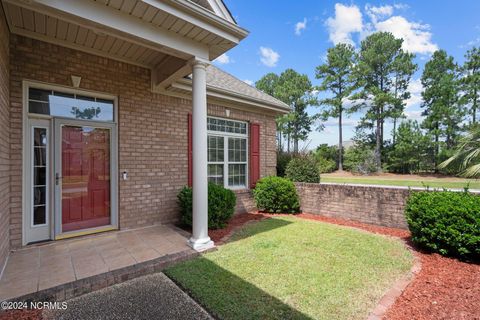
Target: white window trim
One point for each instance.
(225, 162)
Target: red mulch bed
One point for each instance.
(25, 314)
(444, 288)
(219, 235)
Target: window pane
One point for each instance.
(237, 175)
(40, 176)
(69, 105)
(38, 107)
(38, 94)
(40, 137)
(215, 149)
(39, 195)
(229, 126)
(237, 149)
(215, 173)
(39, 215)
(40, 156)
(81, 108)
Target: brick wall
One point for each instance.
(382, 206)
(4, 141)
(245, 202)
(152, 129)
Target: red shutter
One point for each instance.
(254, 154)
(190, 144)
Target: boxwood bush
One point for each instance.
(276, 195)
(446, 222)
(303, 169)
(221, 205)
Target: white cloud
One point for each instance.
(347, 20)
(471, 43)
(345, 123)
(269, 57)
(249, 82)
(376, 13)
(417, 37)
(223, 59)
(401, 6)
(413, 115)
(415, 88)
(300, 26)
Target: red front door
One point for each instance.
(85, 177)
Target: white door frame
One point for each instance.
(34, 233)
(57, 187)
(54, 223)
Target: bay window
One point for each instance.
(227, 152)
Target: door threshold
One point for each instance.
(79, 233)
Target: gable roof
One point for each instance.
(218, 7)
(219, 79)
(225, 87)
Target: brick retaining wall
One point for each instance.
(383, 206)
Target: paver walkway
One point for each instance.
(41, 267)
(150, 297)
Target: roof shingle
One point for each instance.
(224, 81)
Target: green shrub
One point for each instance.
(303, 169)
(327, 152)
(446, 222)
(283, 158)
(221, 205)
(359, 160)
(276, 195)
(326, 165)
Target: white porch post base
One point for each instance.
(199, 240)
(201, 244)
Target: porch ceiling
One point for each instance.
(159, 35)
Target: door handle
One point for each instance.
(57, 178)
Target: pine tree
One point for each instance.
(383, 72)
(442, 110)
(470, 83)
(336, 76)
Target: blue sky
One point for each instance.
(297, 34)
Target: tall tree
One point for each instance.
(336, 76)
(471, 81)
(295, 90)
(401, 80)
(382, 74)
(442, 111)
(409, 153)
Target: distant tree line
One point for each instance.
(374, 82)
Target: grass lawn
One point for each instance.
(472, 184)
(291, 268)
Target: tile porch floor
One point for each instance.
(44, 266)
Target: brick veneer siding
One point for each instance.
(152, 129)
(383, 206)
(245, 202)
(4, 141)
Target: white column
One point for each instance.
(200, 239)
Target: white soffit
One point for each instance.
(142, 32)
